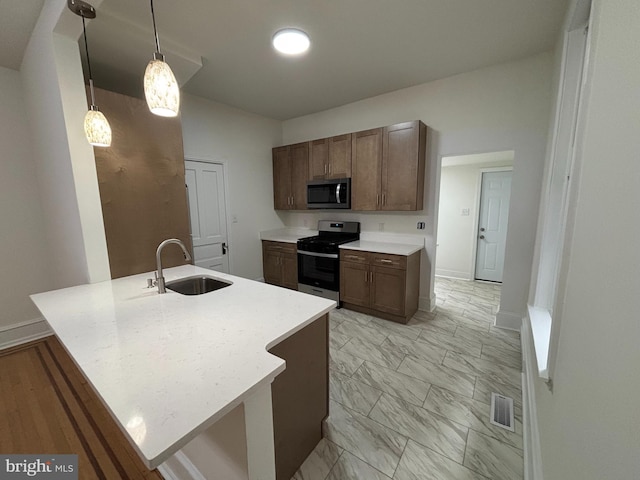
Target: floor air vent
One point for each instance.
(502, 411)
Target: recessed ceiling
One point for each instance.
(360, 48)
(504, 158)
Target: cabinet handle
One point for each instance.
(366, 276)
(384, 199)
(378, 199)
(355, 257)
(325, 168)
(384, 260)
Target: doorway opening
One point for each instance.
(472, 215)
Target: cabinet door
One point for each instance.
(339, 157)
(318, 159)
(388, 289)
(403, 156)
(290, 270)
(366, 164)
(281, 179)
(271, 268)
(299, 156)
(354, 283)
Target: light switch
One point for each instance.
(234, 218)
(465, 212)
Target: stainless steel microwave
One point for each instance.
(329, 193)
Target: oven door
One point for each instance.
(321, 270)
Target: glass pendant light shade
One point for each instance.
(161, 88)
(97, 128)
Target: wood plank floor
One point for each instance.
(46, 406)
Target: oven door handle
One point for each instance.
(314, 254)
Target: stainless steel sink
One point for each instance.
(197, 285)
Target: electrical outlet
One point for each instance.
(381, 226)
(306, 222)
(464, 212)
(234, 218)
(421, 226)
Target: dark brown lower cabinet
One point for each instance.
(280, 264)
(300, 395)
(383, 285)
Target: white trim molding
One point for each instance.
(23, 332)
(427, 304)
(508, 320)
(531, 434)
(180, 467)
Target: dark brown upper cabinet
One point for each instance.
(290, 164)
(388, 168)
(330, 158)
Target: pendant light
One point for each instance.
(160, 86)
(96, 126)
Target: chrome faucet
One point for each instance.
(159, 276)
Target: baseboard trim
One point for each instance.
(531, 434)
(427, 304)
(508, 320)
(261, 279)
(454, 274)
(23, 332)
(180, 467)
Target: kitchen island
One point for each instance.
(170, 367)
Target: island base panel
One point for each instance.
(300, 396)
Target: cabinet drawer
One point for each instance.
(279, 247)
(354, 256)
(388, 260)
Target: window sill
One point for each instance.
(540, 321)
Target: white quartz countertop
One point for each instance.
(383, 247)
(287, 235)
(169, 366)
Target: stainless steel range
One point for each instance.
(319, 258)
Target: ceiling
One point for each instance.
(504, 158)
(359, 48)
(17, 19)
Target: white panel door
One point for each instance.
(492, 225)
(207, 211)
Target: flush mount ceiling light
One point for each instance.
(291, 41)
(160, 86)
(96, 127)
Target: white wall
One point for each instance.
(242, 141)
(503, 107)
(459, 189)
(589, 423)
(23, 251)
(54, 94)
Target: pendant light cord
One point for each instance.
(155, 30)
(86, 48)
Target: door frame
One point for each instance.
(476, 220)
(227, 201)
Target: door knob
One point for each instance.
(224, 248)
(481, 237)
(482, 229)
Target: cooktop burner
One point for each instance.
(330, 236)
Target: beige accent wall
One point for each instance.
(142, 185)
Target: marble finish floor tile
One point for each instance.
(394, 383)
(492, 458)
(320, 462)
(352, 393)
(438, 375)
(470, 413)
(337, 339)
(424, 350)
(480, 367)
(334, 320)
(374, 353)
(456, 344)
(421, 463)
(464, 331)
(502, 356)
(440, 323)
(438, 433)
(343, 362)
(379, 446)
(393, 328)
(349, 467)
(364, 332)
(487, 384)
(353, 317)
